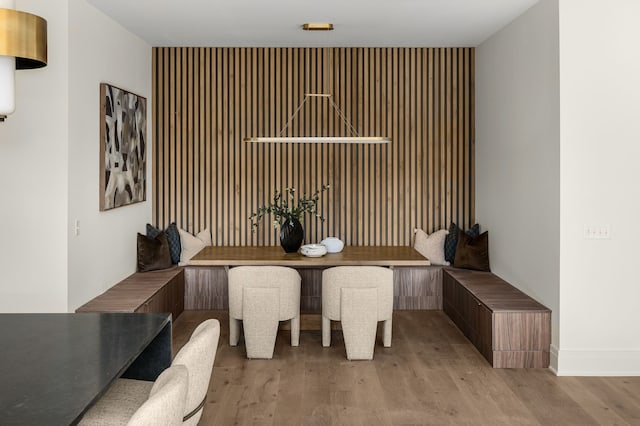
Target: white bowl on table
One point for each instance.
(333, 244)
(313, 250)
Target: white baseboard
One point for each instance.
(594, 362)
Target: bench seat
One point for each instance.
(155, 291)
(509, 328)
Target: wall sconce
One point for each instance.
(23, 45)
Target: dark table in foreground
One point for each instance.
(53, 367)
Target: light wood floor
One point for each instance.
(431, 375)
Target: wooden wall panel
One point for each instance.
(206, 100)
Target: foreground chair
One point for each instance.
(358, 297)
(261, 296)
(198, 356)
(163, 405)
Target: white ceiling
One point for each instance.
(277, 22)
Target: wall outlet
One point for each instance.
(597, 232)
(76, 227)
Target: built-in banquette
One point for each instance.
(509, 328)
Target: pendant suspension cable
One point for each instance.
(294, 114)
(354, 138)
(344, 119)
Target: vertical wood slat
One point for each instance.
(206, 100)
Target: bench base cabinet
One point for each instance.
(169, 298)
(510, 329)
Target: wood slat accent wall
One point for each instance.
(206, 100)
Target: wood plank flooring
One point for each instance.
(431, 375)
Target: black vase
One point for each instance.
(291, 235)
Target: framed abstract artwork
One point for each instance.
(123, 147)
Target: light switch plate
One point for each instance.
(597, 232)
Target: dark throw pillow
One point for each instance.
(173, 236)
(153, 253)
(472, 253)
(451, 242)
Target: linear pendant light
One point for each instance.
(353, 139)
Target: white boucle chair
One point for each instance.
(198, 356)
(261, 296)
(358, 297)
(162, 405)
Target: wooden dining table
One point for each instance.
(417, 285)
(275, 255)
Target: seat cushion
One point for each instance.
(118, 404)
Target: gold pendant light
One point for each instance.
(354, 138)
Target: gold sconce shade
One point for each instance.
(23, 36)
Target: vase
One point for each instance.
(291, 235)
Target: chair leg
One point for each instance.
(326, 332)
(359, 317)
(386, 334)
(234, 331)
(260, 317)
(295, 330)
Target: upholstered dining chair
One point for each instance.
(261, 297)
(198, 356)
(162, 405)
(358, 297)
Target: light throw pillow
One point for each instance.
(191, 244)
(431, 246)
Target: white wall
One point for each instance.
(100, 50)
(517, 153)
(33, 177)
(600, 148)
(557, 149)
(49, 165)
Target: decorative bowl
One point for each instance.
(333, 244)
(313, 250)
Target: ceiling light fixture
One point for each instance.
(317, 26)
(354, 138)
(23, 45)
